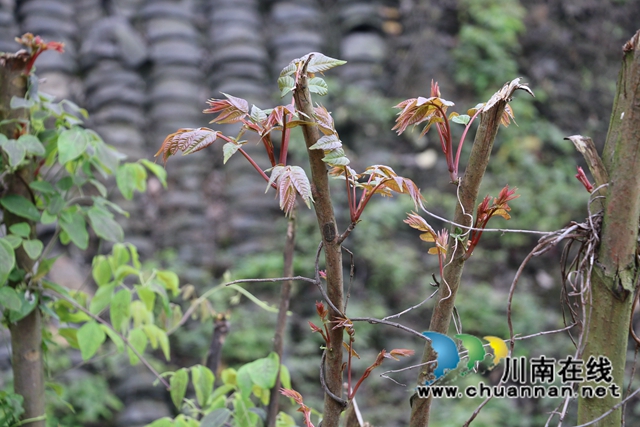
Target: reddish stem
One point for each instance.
(464, 135)
(352, 209)
(284, 146)
(268, 145)
(365, 199)
(256, 167)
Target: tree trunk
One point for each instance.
(26, 334)
(332, 251)
(469, 187)
(615, 272)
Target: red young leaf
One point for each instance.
(314, 328)
(385, 180)
(321, 310)
(351, 350)
(417, 110)
(584, 180)
(188, 141)
(324, 120)
(230, 110)
(292, 394)
(399, 352)
(290, 180)
(35, 46)
(440, 239)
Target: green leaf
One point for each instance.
(263, 372)
(163, 340)
(124, 271)
(217, 418)
(71, 144)
(13, 240)
(229, 376)
(162, 422)
(33, 248)
(131, 177)
(56, 204)
(462, 119)
(120, 310)
(99, 186)
(7, 260)
(336, 158)
(29, 302)
(157, 170)
(242, 414)
(220, 393)
(15, 152)
(243, 378)
(101, 271)
(147, 296)
(17, 102)
(257, 115)
(318, 85)
(120, 255)
(20, 206)
(71, 335)
(21, 229)
(10, 299)
(55, 287)
(104, 225)
(320, 63)
(119, 343)
(135, 259)
(102, 298)
(229, 149)
(151, 331)
(32, 145)
(44, 267)
(202, 379)
(178, 384)
(73, 223)
(285, 377)
(138, 339)
(327, 142)
(289, 69)
(169, 280)
(43, 186)
(285, 420)
(90, 338)
(285, 84)
(48, 218)
(65, 184)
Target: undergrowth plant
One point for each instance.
(55, 173)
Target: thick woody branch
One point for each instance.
(333, 253)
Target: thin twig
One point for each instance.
(613, 408)
(411, 308)
(495, 230)
(340, 400)
(407, 368)
(385, 322)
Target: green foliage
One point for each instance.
(81, 401)
(234, 402)
(66, 163)
(10, 408)
(487, 43)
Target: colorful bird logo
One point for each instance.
(448, 357)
